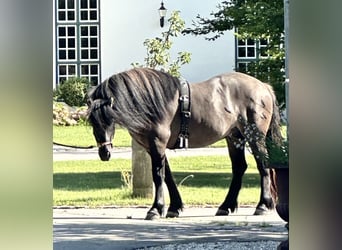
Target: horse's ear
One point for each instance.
(112, 102)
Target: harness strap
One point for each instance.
(185, 104)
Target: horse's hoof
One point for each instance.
(221, 212)
(152, 215)
(171, 214)
(261, 211)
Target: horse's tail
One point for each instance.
(274, 131)
(274, 135)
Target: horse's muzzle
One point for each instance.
(104, 152)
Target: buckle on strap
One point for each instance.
(101, 144)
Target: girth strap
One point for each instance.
(184, 104)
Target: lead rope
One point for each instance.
(72, 146)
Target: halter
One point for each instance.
(98, 105)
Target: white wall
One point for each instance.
(125, 24)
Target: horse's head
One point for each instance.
(101, 119)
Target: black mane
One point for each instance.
(141, 97)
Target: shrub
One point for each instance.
(72, 91)
(64, 115)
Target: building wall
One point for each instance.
(125, 24)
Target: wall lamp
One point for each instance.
(162, 14)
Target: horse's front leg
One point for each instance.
(176, 204)
(158, 175)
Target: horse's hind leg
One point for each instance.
(266, 201)
(239, 166)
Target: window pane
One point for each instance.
(62, 54)
(242, 52)
(94, 80)
(84, 43)
(71, 15)
(242, 67)
(93, 4)
(84, 31)
(84, 15)
(93, 54)
(61, 43)
(241, 42)
(93, 30)
(71, 70)
(71, 4)
(263, 42)
(251, 52)
(93, 69)
(84, 4)
(71, 54)
(71, 43)
(61, 31)
(84, 70)
(71, 31)
(93, 42)
(250, 42)
(84, 54)
(62, 70)
(61, 15)
(61, 4)
(93, 15)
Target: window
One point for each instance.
(263, 48)
(66, 10)
(246, 48)
(242, 67)
(66, 71)
(89, 42)
(88, 10)
(78, 40)
(249, 50)
(66, 43)
(90, 71)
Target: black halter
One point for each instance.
(184, 104)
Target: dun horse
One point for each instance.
(160, 112)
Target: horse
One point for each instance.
(147, 103)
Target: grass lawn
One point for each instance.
(95, 183)
(82, 135)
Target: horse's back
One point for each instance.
(219, 101)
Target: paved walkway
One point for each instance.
(125, 228)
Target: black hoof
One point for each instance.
(221, 212)
(171, 214)
(152, 215)
(262, 211)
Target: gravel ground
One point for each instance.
(228, 245)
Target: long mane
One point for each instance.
(141, 97)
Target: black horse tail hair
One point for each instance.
(274, 131)
(274, 137)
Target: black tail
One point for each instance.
(274, 131)
(274, 136)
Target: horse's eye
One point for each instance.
(89, 102)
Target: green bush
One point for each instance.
(64, 115)
(72, 91)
